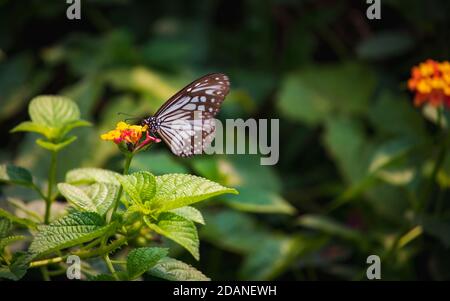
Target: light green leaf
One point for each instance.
(72, 125)
(77, 197)
(91, 175)
(29, 126)
(5, 227)
(259, 201)
(142, 259)
(97, 197)
(68, 231)
(179, 190)
(15, 175)
(17, 220)
(189, 213)
(103, 196)
(178, 229)
(140, 186)
(55, 147)
(53, 111)
(175, 270)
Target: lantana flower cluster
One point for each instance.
(131, 135)
(430, 81)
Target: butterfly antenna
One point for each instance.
(130, 118)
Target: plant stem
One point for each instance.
(126, 167)
(110, 266)
(51, 183)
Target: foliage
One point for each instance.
(362, 171)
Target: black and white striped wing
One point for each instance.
(187, 119)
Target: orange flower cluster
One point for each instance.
(125, 132)
(430, 81)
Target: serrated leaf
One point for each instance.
(142, 259)
(179, 190)
(17, 220)
(103, 195)
(91, 175)
(9, 240)
(189, 213)
(178, 229)
(5, 227)
(175, 270)
(140, 186)
(15, 175)
(77, 197)
(97, 197)
(55, 147)
(53, 111)
(68, 231)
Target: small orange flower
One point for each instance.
(430, 81)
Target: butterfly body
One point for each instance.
(186, 121)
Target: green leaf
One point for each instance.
(102, 277)
(5, 227)
(95, 198)
(68, 231)
(329, 226)
(179, 190)
(91, 175)
(259, 201)
(77, 197)
(103, 195)
(17, 220)
(314, 93)
(140, 186)
(178, 229)
(18, 267)
(175, 270)
(72, 125)
(29, 126)
(271, 258)
(53, 111)
(189, 213)
(55, 147)
(389, 152)
(142, 259)
(9, 240)
(15, 175)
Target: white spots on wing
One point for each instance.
(203, 98)
(194, 99)
(210, 109)
(213, 100)
(189, 89)
(190, 107)
(201, 108)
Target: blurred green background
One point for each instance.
(355, 155)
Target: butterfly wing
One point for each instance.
(187, 118)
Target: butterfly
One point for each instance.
(185, 122)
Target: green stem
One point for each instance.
(51, 183)
(110, 266)
(126, 167)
